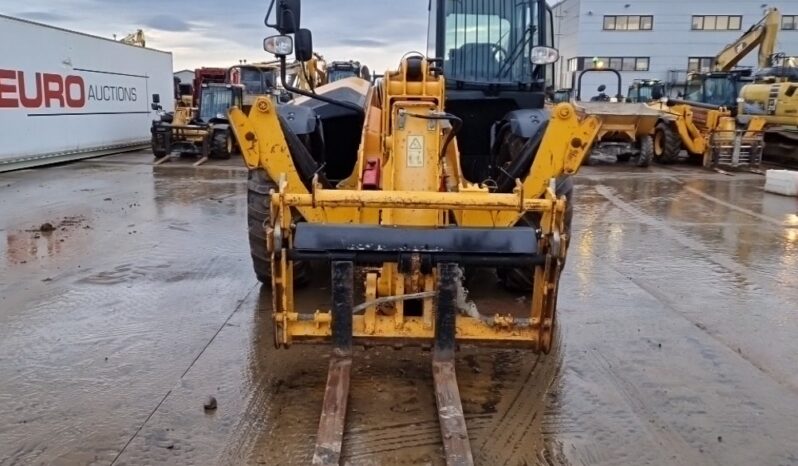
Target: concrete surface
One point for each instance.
(677, 317)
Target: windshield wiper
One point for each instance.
(517, 51)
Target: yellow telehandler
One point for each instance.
(398, 188)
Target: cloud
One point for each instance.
(362, 42)
(44, 16)
(167, 23)
(249, 25)
(199, 34)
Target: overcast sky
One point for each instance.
(219, 32)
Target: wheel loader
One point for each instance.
(709, 133)
(394, 191)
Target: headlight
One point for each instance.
(279, 45)
(220, 116)
(544, 55)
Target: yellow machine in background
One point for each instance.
(627, 128)
(708, 132)
(396, 188)
(135, 38)
(705, 122)
(764, 35)
(774, 99)
(721, 86)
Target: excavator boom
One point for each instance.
(763, 34)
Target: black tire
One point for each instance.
(258, 213)
(667, 144)
(221, 145)
(646, 151)
(157, 150)
(160, 140)
(520, 279)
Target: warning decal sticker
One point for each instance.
(415, 151)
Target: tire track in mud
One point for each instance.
(516, 431)
(682, 452)
(744, 276)
(392, 417)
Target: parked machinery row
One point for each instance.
(199, 126)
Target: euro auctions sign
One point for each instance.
(82, 92)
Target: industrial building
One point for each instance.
(185, 76)
(655, 39)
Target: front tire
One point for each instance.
(646, 151)
(158, 151)
(221, 145)
(160, 140)
(667, 144)
(259, 186)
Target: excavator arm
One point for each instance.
(762, 34)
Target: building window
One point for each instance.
(789, 22)
(628, 23)
(616, 63)
(717, 23)
(700, 64)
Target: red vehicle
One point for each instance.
(206, 76)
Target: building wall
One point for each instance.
(671, 40)
(566, 35)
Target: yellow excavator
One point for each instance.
(777, 104)
(722, 85)
(398, 189)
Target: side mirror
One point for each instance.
(288, 16)
(304, 45)
(281, 46)
(602, 88)
(156, 98)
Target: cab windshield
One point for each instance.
(257, 81)
(338, 74)
(644, 93)
(715, 90)
(216, 100)
(486, 40)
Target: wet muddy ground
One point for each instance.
(678, 323)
